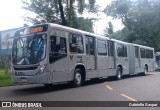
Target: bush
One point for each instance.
(5, 79)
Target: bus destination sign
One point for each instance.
(34, 29)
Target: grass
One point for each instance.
(5, 79)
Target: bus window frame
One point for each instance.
(76, 44)
(124, 47)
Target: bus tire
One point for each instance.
(119, 73)
(77, 80)
(145, 71)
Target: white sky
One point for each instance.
(11, 16)
(102, 23)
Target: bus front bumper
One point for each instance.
(44, 78)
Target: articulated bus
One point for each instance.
(50, 53)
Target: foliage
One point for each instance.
(125, 35)
(108, 31)
(5, 79)
(6, 61)
(85, 24)
(63, 12)
(141, 18)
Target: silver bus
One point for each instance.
(51, 53)
(141, 58)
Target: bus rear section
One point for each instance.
(141, 59)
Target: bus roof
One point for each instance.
(143, 46)
(76, 30)
(84, 32)
(60, 27)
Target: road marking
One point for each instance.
(128, 97)
(110, 88)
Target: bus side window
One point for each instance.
(58, 44)
(121, 50)
(58, 48)
(143, 53)
(76, 43)
(110, 48)
(102, 48)
(136, 51)
(149, 53)
(89, 45)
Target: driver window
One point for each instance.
(58, 49)
(57, 44)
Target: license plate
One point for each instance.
(17, 73)
(24, 79)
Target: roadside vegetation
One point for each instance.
(5, 79)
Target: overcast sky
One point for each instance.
(11, 16)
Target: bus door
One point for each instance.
(137, 59)
(58, 58)
(122, 57)
(90, 57)
(102, 58)
(111, 58)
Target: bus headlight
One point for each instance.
(42, 68)
(156, 65)
(12, 71)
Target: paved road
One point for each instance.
(130, 88)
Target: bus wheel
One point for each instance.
(145, 71)
(119, 73)
(77, 81)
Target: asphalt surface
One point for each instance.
(130, 88)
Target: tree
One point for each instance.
(64, 12)
(125, 35)
(108, 31)
(85, 24)
(141, 18)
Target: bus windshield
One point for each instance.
(29, 50)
